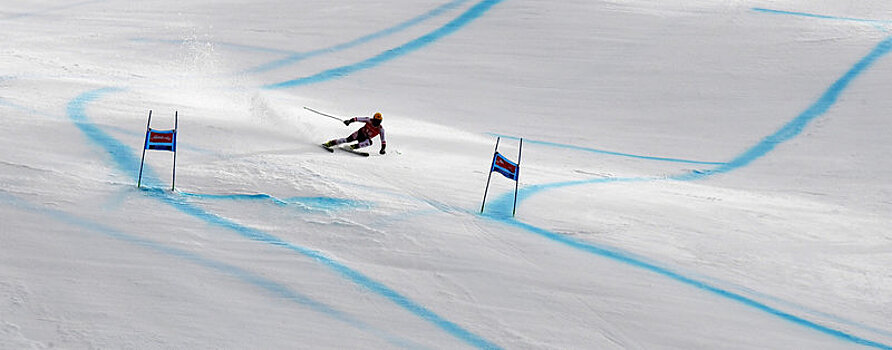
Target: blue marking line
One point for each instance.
(126, 162)
(798, 124)
(122, 155)
(296, 57)
(245, 276)
(141, 134)
(811, 15)
(637, 262)
(328, 203)
(464, 19)
(256, 196)
(309, 204)
(501, 207)
(107, 127)
(599, 151)
(767, 144)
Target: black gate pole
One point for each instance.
(139, 181)
(175, 124)
(490, 174)
(517, 177)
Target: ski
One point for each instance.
(345, 149)
(358, 153)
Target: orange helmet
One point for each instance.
(376, 119)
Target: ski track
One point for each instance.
(600, 151)
(307, 204)
(789, 131)
(245, 276)
(125, 160)
(231, 46)
(49, 10)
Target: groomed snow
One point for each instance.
(695, 175)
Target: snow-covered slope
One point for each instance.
(695, 174)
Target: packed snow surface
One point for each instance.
(694, 174)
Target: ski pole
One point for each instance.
(323, 114)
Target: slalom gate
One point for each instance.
(160, 140)
(506, 167)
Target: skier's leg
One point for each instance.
(364, 141)
(336, 142)
(361, 144)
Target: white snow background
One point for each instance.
(695, 175)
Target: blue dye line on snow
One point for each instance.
(296, 57)
(245, 276)
(798, 124)
(311, 204)
(636, 262)
(767, 144)
(107, 127)
(126, 162)
(599, 151)
(811, 15)
(464, 19)
(121, 154)
(141, 135)
(254, 196)
(328, 203)
(785, 133)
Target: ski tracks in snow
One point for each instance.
(787, 132)
(124, 158)
(125, 161)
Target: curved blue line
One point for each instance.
(358, 41)
(637, 262)
(121, 154)
(126, 162)
(501, 207)
(599, 151)
(107, 127)
(811, 15)
(767, 144)
(467, 17)
(798, 124)
(245, 276)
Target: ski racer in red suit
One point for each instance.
(364, 135)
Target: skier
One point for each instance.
(364, 135)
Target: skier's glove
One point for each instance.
(348, 121)
(382, 150)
